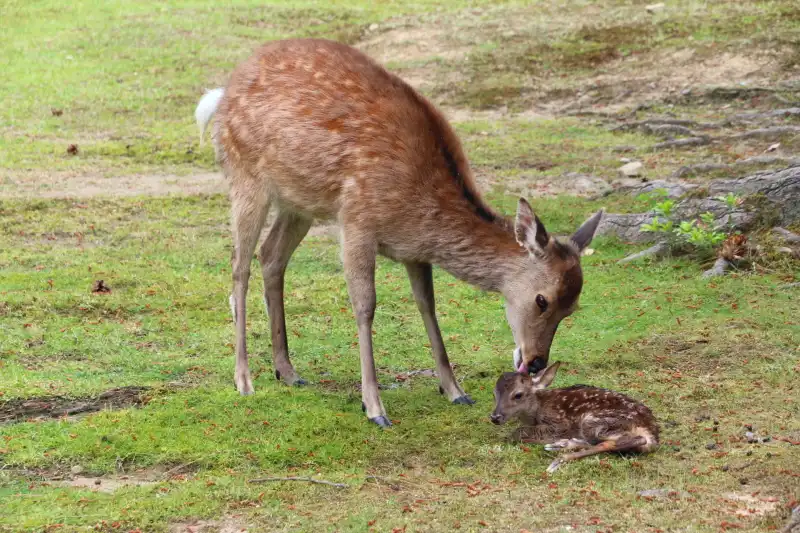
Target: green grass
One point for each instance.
(687, 346)
(127, 76)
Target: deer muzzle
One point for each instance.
(534, 366)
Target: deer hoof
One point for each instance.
(382, 421)
(295, 380)
(464, 400)
(441, 390)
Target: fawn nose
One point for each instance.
(496, 418)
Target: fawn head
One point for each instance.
(546, 289)
(515, 394)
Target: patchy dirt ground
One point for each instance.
(56, 406)
(230, 524)
(70, 185)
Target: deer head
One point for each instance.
(545, 290)
(515, 394)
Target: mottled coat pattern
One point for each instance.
(590, 419)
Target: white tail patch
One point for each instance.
(206, 108)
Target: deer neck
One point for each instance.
(480, 252)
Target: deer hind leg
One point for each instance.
(618, 443)
(421, 276)
(358, 254)
(284, 236)
(249, 208)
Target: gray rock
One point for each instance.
(77, 469)
(631, 170)
(622, 183)
(583, 184)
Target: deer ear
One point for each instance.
(544, 379)
(586, 232)
(528, 229)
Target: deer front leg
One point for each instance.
(248, 213)
(421, 276)
(359, 268)
(537, 434)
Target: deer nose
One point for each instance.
(537, 365)
(496, 418)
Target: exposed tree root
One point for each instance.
(721, 266)
(681, 143)
(657, 250)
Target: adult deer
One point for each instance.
(316, 130)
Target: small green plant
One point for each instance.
(657, 226)
(732, 201)
(701, 236)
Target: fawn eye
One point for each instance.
(541, 302)
(517, 396)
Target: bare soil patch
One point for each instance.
(545, 61)
(68, 185)
(228, 524)
(42, 408)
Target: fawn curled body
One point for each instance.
(315, 130)
(586, 420)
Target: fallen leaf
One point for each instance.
(72, 149)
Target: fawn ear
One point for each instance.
(546, 377)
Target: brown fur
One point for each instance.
(317, 130)
(589, 419)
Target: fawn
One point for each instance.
(588, 420)
(316, 130)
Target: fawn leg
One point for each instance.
(619, 444)
(566, 444)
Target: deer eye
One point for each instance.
(541, 302)
(517, 396)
